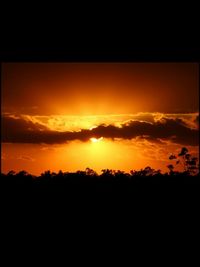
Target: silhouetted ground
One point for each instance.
(107, 179)
(111, 204)
(147, 183)
(85, 183)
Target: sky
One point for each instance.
(71, 116)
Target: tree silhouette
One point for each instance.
(170, 167)
(185, 159)
(88, 180)
(90, 172)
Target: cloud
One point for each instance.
(20, 130)
(26, 158)
(196, 120)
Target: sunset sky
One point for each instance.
(70, 116)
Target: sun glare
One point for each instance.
(95, 140)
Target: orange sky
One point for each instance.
(101, 88)
(143, 112)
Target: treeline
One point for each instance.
(107, 177)
(112, 178)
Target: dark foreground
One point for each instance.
(112, 211)
(86, 184)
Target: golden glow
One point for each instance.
(120, 154)
(71, 97)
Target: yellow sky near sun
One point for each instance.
(96, 154)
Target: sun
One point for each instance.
(95, 140)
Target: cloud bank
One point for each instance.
(20, 130)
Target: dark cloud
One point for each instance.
(22, 131)
(19, 125)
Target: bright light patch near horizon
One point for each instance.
(95, 140)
